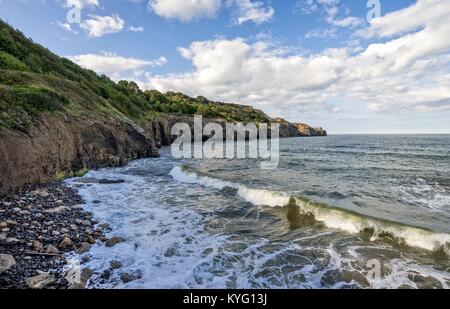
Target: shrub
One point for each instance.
(8, 62)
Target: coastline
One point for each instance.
(41, 226)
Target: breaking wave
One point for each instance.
(335, 218)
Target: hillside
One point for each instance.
(58, 119)
(33, 81)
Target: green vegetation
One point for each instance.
(34, 81)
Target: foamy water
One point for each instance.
(308, 224)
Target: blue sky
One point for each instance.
(316, 61)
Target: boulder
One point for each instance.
(126, 277)
(114, 241)
(82, 247)
(38, 246)
(6, 262)
(52, 250)
(77, 278)
(65, 243)
(40, 281)
(110, 181)
(116, 264)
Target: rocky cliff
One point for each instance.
(58, 119)
(58, 147)
(288, 129)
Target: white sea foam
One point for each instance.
(332, 217)
(426, 194)
(181, 174)
(169, 245)
(353, 223)
(259, 197)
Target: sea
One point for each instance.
(339, 212)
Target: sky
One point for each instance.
(350, 66)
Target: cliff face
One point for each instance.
(57, 147)
(288, 129)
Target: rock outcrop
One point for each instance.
(288, 129)
(57, 146)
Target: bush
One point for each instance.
(35, 99)
(8, 62)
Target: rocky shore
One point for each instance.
(39, 226)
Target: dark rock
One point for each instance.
(85, 259)
(82, 248)
(39, 229)
(111, 181)
(87, 180)
(114, 241)
(106, 274)
(126, 277)
(116, 264)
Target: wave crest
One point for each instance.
(334, 218)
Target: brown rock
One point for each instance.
(82, 248)
(65, 243)
(38, 246)
(116, 264)
(114, 241)
(91, 239)
(126, 277)
(52, 249)
(40, 281)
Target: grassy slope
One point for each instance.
(34, 81)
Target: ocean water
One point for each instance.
(338, 212)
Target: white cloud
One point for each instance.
(136, 29)
(424, 13)
(97, 26)
(65, 26)
(410, 72)
(254, 11)
(81, 3)
(349, 21)
(185, 10)
(115, 66)
(331, 10)
(322, 33)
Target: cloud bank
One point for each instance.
(410, 71)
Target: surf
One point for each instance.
(305, 211)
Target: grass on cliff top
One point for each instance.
(33, 81)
